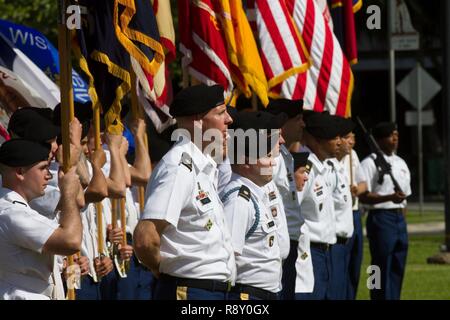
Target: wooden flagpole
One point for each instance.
(67, 112)
(137, 114)
(98, 205)
(351, 175)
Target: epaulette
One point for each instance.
(245, 193)
(331, 164)
(308, 166)
(20, 202)
(186, 161)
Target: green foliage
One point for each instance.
(41, 15)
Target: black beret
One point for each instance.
(300, 159)
(82, 111)
(258, 120)
(291, 107)
(262, 121)
(242, 103)
(323, 126)
(32, 124)
(22, 153)
(196, 100)
(307, 113)
(346, 125)
(383, 129)
(254, 148)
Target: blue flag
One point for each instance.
(41, 51)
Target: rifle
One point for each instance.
(382, 165)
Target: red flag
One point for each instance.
(155, 94)
(344, 26)
(202, 43)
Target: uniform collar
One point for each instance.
(316, 162)
(12, 196)
(255, 189)
(336, 163)
(284, 150)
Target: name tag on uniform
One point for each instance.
(270, 224)
(318, 188)
(289, 176)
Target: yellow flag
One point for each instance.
(163, 13)
(245, 63)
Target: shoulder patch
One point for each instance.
(244, 192)
(186, 161)
(309, 166)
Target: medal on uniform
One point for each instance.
(272, 195)
(271, 239)
(304, 256)
(202, 196)
(209, 225)
(274, 211)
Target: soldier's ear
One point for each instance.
(20, 171)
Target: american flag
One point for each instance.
(282, 51)
(328, 84)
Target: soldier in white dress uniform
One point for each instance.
(29, 240)
(182, 235)
(322, 141)
(386, 225)
(292, 133)
(248, 209)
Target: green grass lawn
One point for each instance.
(431, 216)
(422, 281)
(414, 217)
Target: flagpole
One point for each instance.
(351, 175)
(137, 113)
(67, 112)
(98, 205)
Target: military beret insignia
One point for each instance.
(308, 166)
